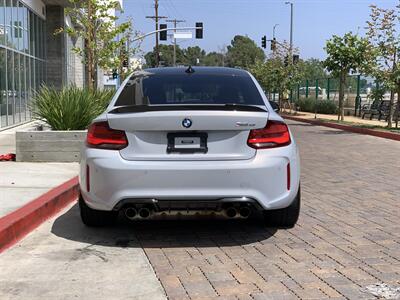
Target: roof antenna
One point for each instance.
(189, 70)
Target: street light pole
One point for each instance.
(273, 31)
(291, 28)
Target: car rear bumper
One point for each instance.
(263, 179)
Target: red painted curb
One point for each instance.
(377, 133)
(14, 226)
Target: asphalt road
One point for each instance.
(347, 240)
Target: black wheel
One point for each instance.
(285, 217)
(96, 218)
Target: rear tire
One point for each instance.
(285, 217)
(96, 218)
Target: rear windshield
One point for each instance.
(189, 89)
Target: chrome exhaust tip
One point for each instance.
(130, 212)
(144, 212)
(245, 212)
(231, 212)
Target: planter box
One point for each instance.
(49, 146)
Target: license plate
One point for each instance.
(187, 142)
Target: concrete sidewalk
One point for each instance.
(50, 263)
(20, 183)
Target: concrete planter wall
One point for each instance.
(49, 146)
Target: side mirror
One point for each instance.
(275, 106)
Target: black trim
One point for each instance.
(207, 107)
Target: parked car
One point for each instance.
(188, 140)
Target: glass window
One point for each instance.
(190, 89)
(32, 65)
(37, 35)
(15, 25)
(25, 22)
(37, 75)
(8, 15)
(28, 85)
(10, 87)
(20, 26)
(17, 88)
(31, 33)
(40, 43)
(2, 22)
(22, 84)
(3, 88)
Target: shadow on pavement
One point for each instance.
(334, 132)
(298, 124)
(169, 233)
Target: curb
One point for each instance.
(376, 133)
(16, 225)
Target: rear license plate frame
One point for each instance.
(174, 135)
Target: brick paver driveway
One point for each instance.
(347, 238)
(348, 235)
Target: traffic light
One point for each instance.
(125, 63)
(296, 58)
(114, 74)
(199, 31)
(264, 42)
(273, 44)
(286, 61)
(163, 34)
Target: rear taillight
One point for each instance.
(274, 134)
(101, 136)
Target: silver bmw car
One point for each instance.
(190, 140)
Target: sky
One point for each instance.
(315, 21)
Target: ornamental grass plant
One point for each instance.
(70, 108)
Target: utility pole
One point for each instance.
(156, 18)
(175, 21)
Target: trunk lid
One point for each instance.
(212, 132)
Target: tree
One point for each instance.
(243, 52)
(213, 59)
(192, 54)
(277, 74)
(99, 31)
(383, 34)
(166, 56)
(313, 69)
(345, 54)
(125, 53)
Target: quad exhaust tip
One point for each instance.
(130, 212)
(245, 212)
(144, 212)
(231, 212)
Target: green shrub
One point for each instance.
(71, 108)
(323, 106)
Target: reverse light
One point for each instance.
(101, 136)
(274, 134)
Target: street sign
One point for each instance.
(183, 35)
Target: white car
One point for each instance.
(190, 140)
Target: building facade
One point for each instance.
(32, 55)
(22, 59)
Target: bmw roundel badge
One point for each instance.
(187, 123)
